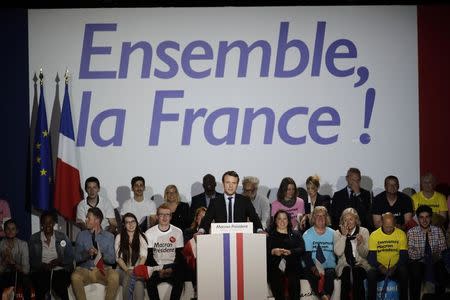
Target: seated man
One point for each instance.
(393, 201)
(92, 187)
(94, 255)
(250, 186)
(144, 209)
(203, 199)
(165, 243)
(352, 196)
(435, 200)
(388, 255)
(51, 259)
(425, 245)
(13, 259)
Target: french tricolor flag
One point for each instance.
(68, 191)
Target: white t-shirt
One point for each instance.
(142, 248)
(164, 243)
(141, 209)
(103, 204)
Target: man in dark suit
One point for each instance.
(231, 207)
(352, 196)
(203, 199)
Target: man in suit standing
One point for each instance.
(231, 207)
(352, 196)
(203, 199)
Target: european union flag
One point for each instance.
(42, 173)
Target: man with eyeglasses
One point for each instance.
(165, 243)
(250, 186)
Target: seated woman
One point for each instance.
(188, 250)
(131, 250)
(319, 256)
(314, 199)
(288, 201)
(189, 232)
(14, 263)
(180, 210)
(285, 248)
(50, 251)
(351, 242)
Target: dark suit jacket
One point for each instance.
(199, 201)
(243, 211)
(362, 203)
(321, 200)
(181, 217)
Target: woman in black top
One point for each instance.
(313, 199)
(181, 217)
(284, 250)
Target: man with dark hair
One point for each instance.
(203, 199)
(51, 259)
(425, 245)
(94, 256)
(391, 200)
(231, 207)
(144, 209)
(352, 196)
(92, 188)
(14, 261)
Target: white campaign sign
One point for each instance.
(174, 93)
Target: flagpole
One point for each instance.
(69, 223)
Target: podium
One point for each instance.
(231, 264)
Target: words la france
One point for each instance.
(178, 61)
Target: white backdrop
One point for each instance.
(306, 87)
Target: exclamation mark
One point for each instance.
(370, 101)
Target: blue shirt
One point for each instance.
(312, 239)
(105, 241)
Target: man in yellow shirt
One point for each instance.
(388, 255)
(428, 196)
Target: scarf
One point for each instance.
(348, 251)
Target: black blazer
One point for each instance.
(199, 201)
(321, 200)
(243, 211)
(362, 203)
(181, 217)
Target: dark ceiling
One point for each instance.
(209, 3)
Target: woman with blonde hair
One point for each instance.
(319, 257)
(351, 242)
(312, 200)
(180, 210)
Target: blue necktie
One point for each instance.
(319, 254)
(230, 210)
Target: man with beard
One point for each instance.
(425, 245)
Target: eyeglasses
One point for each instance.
(130, 222)
(164, 215)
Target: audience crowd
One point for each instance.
(351, 236)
